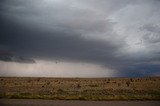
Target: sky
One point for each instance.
(80, 38)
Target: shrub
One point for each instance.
(48, 83)
(128, 83)
(93, 85)
(81, 98)
(59, 90)
(119, 84)
(38, 79)
(78, 86)
(131, 79)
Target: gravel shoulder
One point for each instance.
(39, 102)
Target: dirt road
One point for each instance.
(34, 102)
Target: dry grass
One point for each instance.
(81, 88)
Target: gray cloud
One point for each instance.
(119, 34)
(152, 35)
(10, 57)
(56, 44)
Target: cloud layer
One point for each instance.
(120, 35)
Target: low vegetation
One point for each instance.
(81, 88)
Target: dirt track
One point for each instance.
(34, 102)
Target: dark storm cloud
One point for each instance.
(119, 34)
(59, 45)
(9, 57)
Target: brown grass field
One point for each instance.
(147, 88)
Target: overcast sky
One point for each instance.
(81, 38)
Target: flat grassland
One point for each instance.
(147, 88)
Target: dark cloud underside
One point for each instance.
(119, 34)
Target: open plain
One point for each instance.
(147, 88)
